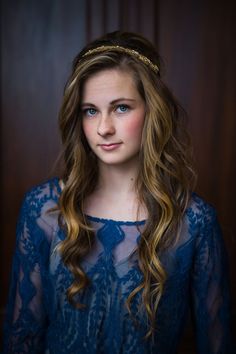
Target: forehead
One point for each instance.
(109, 83)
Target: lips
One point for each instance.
(110, 146)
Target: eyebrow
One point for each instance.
(111, 103)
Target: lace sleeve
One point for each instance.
(210, 288)
(25, 323)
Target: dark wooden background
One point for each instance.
(39, 40)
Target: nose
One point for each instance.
(105, 126)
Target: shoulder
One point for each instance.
(37, 222)
(40, 200)
(42, 193)
(200, 211)
(203, 222)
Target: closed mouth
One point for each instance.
(111, 144)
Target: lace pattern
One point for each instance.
(40, 319)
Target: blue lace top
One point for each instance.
(40, 319)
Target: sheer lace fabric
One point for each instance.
(40, 319)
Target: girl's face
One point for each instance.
(113, 115)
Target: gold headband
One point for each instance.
(129, 51)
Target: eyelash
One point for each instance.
(87, 111)
(123, 105)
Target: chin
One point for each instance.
(118, 161)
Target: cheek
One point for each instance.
(87, 129)
(134, 127)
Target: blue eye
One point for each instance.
(122, 108)
(90, 112)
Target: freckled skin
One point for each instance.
(113, 117)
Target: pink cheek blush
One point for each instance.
(134, 127)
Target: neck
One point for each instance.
(117, 180)
(115, 196)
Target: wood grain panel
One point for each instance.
(39, 40)
(132, 15)
(197, 41)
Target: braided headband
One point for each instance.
(129, 51)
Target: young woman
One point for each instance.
(111, 255)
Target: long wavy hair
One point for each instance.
(165, 180)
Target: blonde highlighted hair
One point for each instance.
(165, 179)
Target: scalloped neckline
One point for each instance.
(120, 222)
